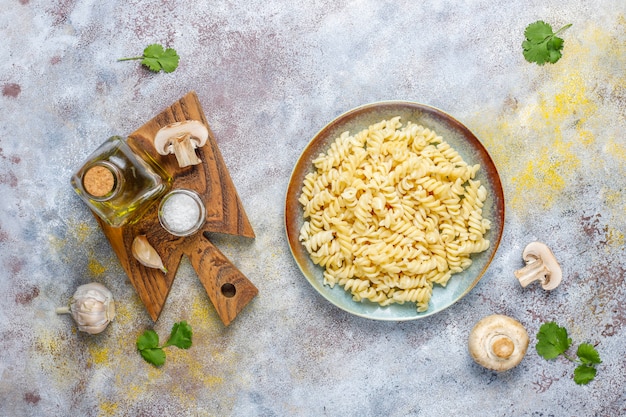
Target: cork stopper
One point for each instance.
(99, 181)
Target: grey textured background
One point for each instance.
(269, 75)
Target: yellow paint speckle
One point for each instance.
(99, 354)
(47, 343)
(613, 198)
(614, 237)
(545, 177)
(201, 310)
(95, 267)
(585, 136)
(132, 391)
(206, 378)
(108, 408)
(571, 101)
(81, 230)
(123, 315)
(616, 150)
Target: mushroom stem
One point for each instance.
(503, 347)
(63, 310)
(533, 271)
(185, 151)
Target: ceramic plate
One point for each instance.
(462, 140)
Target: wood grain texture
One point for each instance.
(228, 289)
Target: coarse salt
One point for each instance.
(181, 213)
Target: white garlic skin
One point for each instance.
(92, 307)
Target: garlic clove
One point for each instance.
(146, 254)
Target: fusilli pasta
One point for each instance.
(391, 211)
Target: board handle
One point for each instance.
(228, 288)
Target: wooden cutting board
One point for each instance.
(228, 289)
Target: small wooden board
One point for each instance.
(228, 289)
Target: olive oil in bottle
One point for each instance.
(119, 185)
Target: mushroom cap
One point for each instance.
(498, 342)
(196, 129)
(540, 250)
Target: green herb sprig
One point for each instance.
(156, 58)
(553, 341)
(148, 343)
(541, 44)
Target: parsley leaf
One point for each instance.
(552, 340)
(583, 374)
(156, 58)
(148, 343)
(541, 44)
(180, 336)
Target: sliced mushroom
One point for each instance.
(498, 342)
(541, 265)
(182, 139)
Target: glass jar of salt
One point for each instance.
(182, 212)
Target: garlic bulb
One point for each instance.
(91, 307)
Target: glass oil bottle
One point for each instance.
(118, 184)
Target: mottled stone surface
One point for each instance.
(269, 75)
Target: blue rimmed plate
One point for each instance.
(462, 140)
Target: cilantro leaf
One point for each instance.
(583, 374)
(541, 44)
(588, 354)
(148, 340)
(155, 356)
(148, 346)
(156, 58)
(552, 340)
(538, 32)
(180, 336)
(536, 53)
(148, 343)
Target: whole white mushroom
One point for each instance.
(498, 342)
